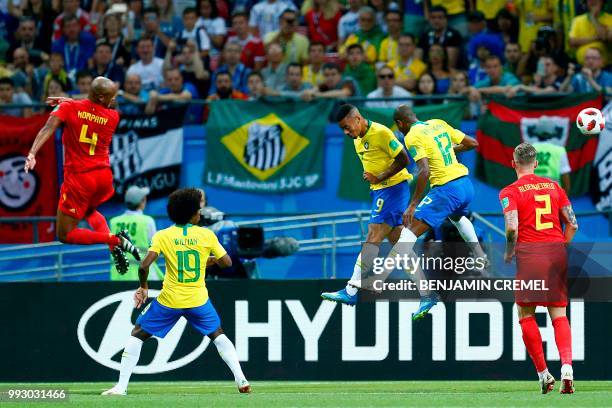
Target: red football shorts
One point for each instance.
(82, 193)
(545, 266)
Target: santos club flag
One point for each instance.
(147, 151)
(266, 147)
(507, 123)
(21, 194)
(353, 187)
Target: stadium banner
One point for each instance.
(283, 331)
(507, 123)
(147, 150)
(353, 187)
(266, 147)
(21, 194)
(602, 172)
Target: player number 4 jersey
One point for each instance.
(538, 201)
(87, 135)
(434, 139)
(186, 250)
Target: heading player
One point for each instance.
(89, 125)
(432, 145)
(186, 248)
(384, 163)
(535, 210)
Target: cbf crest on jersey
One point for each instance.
(267, 147)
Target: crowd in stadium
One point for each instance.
(164, 50)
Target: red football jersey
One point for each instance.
(539, 202)
(88, 131)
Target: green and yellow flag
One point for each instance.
(352, 186)
(268, 147)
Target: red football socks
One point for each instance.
(97, 222)
(533, 342)
(563, 338)
(83, 236)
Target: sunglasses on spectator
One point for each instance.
(385, 76)
(290, 20)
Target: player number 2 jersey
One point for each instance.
(186, 250)
(87, 135)
(538, 201)
(434, 139)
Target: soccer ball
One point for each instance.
(590, 121)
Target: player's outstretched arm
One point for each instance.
(571, 224)
(141, 295)
(468, 143)
(511, 221)
(43, 135)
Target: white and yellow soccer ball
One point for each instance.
(590, 121)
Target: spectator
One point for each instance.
(460, 86)
(224, 88)
(388, 89)
(438, 67)
(26, 38)
(349, 22)
(265, 16)
(77, 46)
(294, 85)
(190, 64)
(23, 72)
(56, 72)
(426, 86)
(380, 8)
(212, 23)
(454, 11)
(553, 163)
(55, 89)
(135, 17)
(103, 64)
(71, 8)
(152, 30)
(369, 36)
(83, 85)
(497, 81)
(512, 55)
(237, 71)
(359, 70)
(408, 68)
(141, 228)
(545, 44)
(313, 73)
(192, 32)
(149, 67)
(169, 24)
(9, 96)
(255, 84)
(253, 54)
(592, 77)
(545, 81)
(565, 12)
(96, 10)
(477, 71)
(507, 25)
(490, 9)
(532, 15)
(334, 85)
(275, 73)
(112, 35)
(43, 13)
(480, 35)
(592, 29)
(322, 21)
(293, 44)
(388, 47)
(175, 90)
(441, 33)
(131, 98)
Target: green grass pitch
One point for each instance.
(326, 394)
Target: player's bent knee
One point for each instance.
(216, 333)
(139, 333)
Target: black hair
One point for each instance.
(353, 47)
(393, 11)
(240, 13)
(343, 111)
(68, 18)
(438, 9)
(154, 10)
(103, 44)
(316, 44)
(332, 65)
(294, 65)
(254, 73)
(189, 10)
(7, 81)
(288, 10)
(410, 35)
(83, 73)
(223, 73)
(183, 204)
(214, 11)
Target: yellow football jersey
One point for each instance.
(434, 139)
(186, 250)
(377, 150)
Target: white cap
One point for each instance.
(135, 195)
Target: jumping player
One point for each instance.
(186, 248)
(89, 125)
(535, 210)
(432, 145)
(384, 163)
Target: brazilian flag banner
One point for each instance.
(353, 187)
(508, 123)
(266, 146)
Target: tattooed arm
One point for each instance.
(511, 220)
(571, 224)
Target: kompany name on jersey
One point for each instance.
(92, 118)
